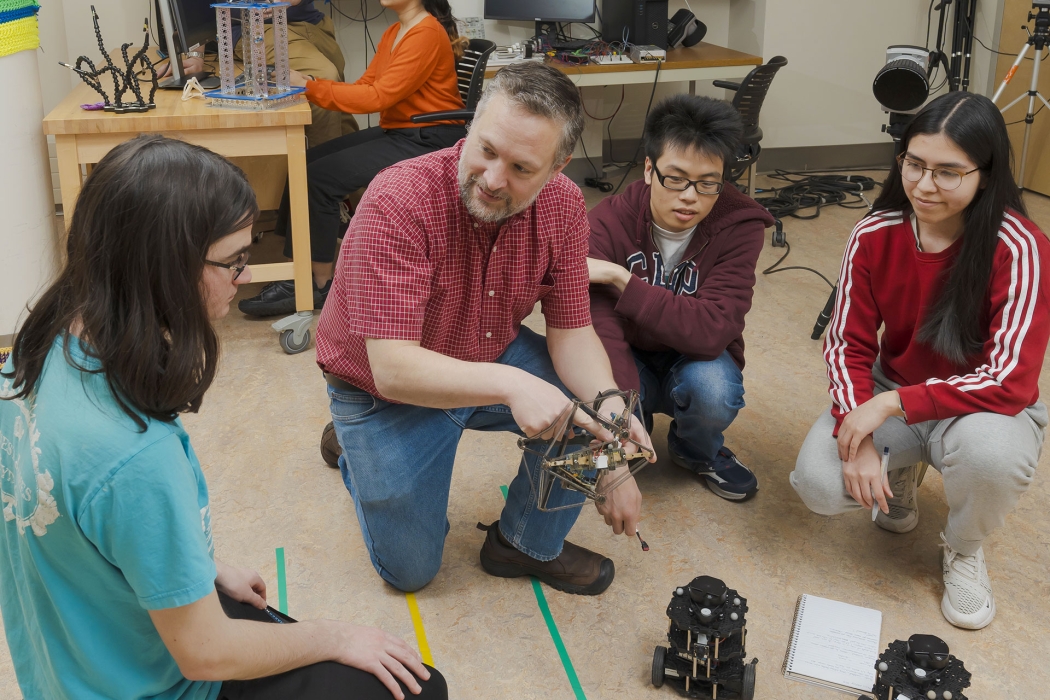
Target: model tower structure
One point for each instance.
(255, 89)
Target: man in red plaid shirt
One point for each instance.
(421, 337)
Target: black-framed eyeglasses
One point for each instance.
(944, 178)
(237, 265)
(681, 184)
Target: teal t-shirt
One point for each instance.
(102, 523)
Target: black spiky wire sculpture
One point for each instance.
(123, 80)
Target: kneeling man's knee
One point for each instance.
(410, 576)
(711, 396)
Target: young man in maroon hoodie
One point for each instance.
(672, 270)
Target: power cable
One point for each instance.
(773, 269)
(814, 192)
(634, 158)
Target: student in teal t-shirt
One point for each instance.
(108, 583)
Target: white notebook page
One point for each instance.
(836, 642)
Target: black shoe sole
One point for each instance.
(606, 573)
(729, 495)
(285, 307)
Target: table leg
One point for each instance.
(692, 87)
(300, 219)
(68, 177)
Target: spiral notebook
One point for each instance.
(834, 645)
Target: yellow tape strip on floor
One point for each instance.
(421, 634)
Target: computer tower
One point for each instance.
(645, 21)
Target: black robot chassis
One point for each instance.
(919, 669)
(707, 638)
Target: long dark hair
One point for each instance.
(140, 232)
(442, 12)
(953, 325)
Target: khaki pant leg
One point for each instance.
(305, 57)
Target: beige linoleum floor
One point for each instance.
(257, 437)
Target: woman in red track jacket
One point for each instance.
(954, 274)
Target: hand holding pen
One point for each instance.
(882, 480)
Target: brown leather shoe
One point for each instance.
(576, 570)
(330, 449)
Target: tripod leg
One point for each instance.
(971, 20)
(1029, 117)
(957, 41)
(1009, 76)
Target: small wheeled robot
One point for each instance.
(707, 636)
(919, 669)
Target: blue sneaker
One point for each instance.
(725, 475)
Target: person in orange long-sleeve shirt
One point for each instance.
(413, 72)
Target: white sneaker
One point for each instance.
(967, 600)
(904, 506)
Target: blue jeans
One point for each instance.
(400, 468)
(702, 398)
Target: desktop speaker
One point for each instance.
(639, 21)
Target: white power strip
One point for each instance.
(611, 60)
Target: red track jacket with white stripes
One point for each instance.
(886, 281)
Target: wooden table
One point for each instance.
(84, 137)
(701, 62)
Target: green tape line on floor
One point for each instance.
(282, 587)
(541, 601)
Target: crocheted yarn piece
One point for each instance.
(8, 5)
(20, 35)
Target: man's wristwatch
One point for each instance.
(900, 405)
(194, 54)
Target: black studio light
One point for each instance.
(902, 85)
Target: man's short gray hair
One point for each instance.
(544, 91)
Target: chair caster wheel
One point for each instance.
(288, 344)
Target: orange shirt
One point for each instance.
(416, 76)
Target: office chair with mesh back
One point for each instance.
(470, 75)
(750, 93)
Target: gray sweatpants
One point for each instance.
(986, 461)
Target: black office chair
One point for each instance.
(750, 94)
(470, 76)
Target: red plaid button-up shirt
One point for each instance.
(415, 265)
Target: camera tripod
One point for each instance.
(1039, 39)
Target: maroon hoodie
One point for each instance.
(700, 313)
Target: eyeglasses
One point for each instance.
(237, 265)
(944, 178)
(681, 184)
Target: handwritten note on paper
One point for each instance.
(836, 642)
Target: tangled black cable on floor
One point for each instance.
(815, 191)
(810, 192)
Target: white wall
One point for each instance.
(834, 49)
(28, 235)
(823, 96)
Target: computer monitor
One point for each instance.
(186, 24)
(540, 10)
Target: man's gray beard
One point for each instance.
(480, 211)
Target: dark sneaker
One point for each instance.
(278, 299)
(330, 449)
(726, 475)
(576, 570)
